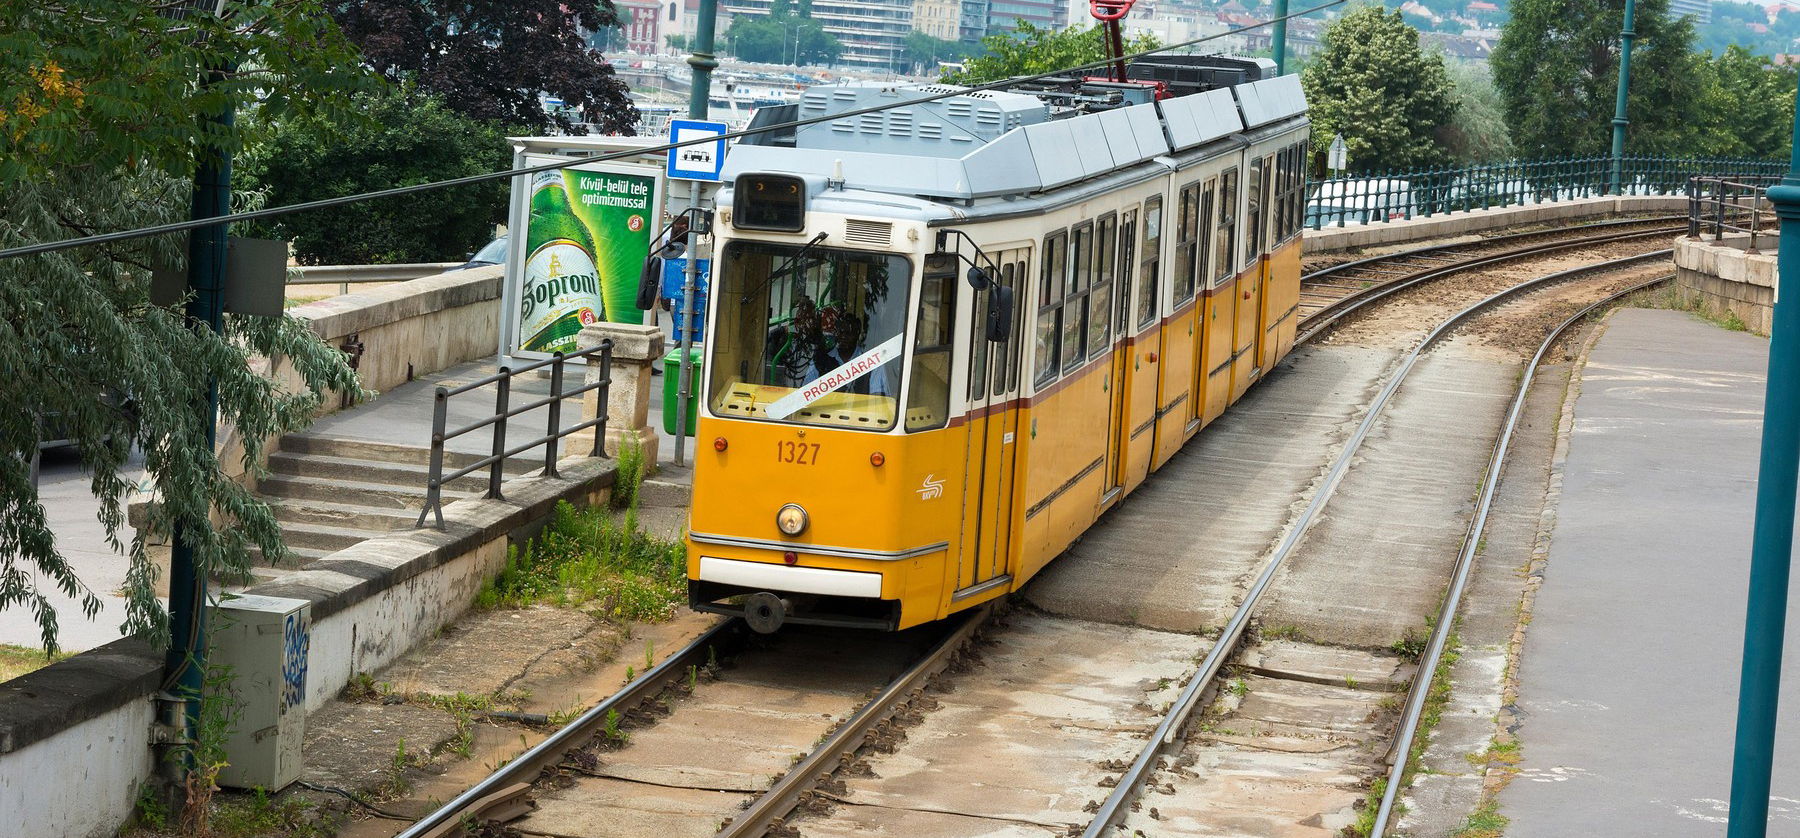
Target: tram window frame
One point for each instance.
(1297, 206)
(1187, 226)
(940, 301)
(1225, 236)
(1266, 242)
(1021, 319)
(1209, 207)
(979, 356)
(1045, 366)
(1253, 200)
(1075, 295)
(1001, 357)
(1125, 271)
(1100, 293)
(1149, 303)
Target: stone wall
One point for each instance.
(1450, 225)
(1721, 277)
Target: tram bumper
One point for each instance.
(769, 595)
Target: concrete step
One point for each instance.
(378, 495)
(366, 471)
(261, 570)
(655, 492)
(372, 519)
(385, 452)
(321, 537)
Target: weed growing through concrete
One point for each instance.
(585, 559)
(1285, 632)
(630, 475)
(462, 707)
(649, 655)
(610, 728)
(1485, 822)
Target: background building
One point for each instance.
(873, 32)
(938, 18)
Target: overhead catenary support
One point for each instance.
(1278, 37)
(1772, 545)
(184, 664)
(1626, 36)
(703, 60)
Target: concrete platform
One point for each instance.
(1628, 682)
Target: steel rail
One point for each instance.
(525, 767)
(1117, 804)
(787, 792)
(1327, 315)
(1400, 751)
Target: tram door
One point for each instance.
(993, 422)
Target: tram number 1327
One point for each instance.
(798, 453)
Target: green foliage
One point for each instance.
(99, 132)
(150, 811)
(1372, 83)
(259, 815)
(1557, 68)
(401, 136)
(1485, 822)
(923, 52)
(630, 475)
(1029, 49)
(781, 37)
(1477, 134)
(1750, 105)
(585, 558)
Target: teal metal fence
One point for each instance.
(1398, 195)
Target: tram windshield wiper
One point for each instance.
(792, 262)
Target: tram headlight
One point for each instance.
(791, 520)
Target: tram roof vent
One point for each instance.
(877, 233)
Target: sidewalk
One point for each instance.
(1629, 675)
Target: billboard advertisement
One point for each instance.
(586, 234)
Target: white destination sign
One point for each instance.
(819, 387)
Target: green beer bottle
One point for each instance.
(561, 292)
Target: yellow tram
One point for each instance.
(945, 337)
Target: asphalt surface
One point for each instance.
(64, 490)
(1629, 675)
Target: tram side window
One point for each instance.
(1147, 286)
(928, 395)
(1126, 266)
(1075, 296)
(1100, 299)
(1226, 234)
(1209, 207)
(1049, 313)
(1278, 199)
(978, 347)
(1021, 315)
(1265, 241)
(1297, 206)
(1187, 225)
(1006, 362)
(1252, 214)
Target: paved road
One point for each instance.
(1630, 668)
(64, 490)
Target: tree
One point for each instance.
(1557, 67)
(491, 59)
(405, 138)
(1372, 83)
(782, 37)
(1028, 50)
(1477, 134)
(923, 52)
(100, 132)
(1751, 106)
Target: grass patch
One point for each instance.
(18, 660)
(1435, 700)
(1671, 298)
(1286, 632)
(587, 559)
(1485, 822)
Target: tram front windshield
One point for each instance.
(808, 335)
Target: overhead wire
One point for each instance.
(325, 203)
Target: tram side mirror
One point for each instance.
(999, 314)
(978, 279)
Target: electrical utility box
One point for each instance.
(265, 642)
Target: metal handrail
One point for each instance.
(1738, 198)
(495, 462)
(1381, 197)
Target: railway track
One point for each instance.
(1159, 764)
(578, 774)
(1327, 294)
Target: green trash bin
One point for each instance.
(672, 389)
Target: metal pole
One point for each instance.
(702, 60)
(1279, 35)
(1771, 552)
(1626, 35)
(684, 386)
(184, 663)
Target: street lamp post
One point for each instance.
(1626, 36)
(1279, 36)
(1771, 551)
